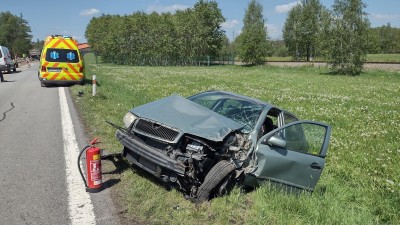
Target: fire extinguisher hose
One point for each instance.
(79, 164)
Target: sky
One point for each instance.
(47, 17)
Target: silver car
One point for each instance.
(6, 60)
(207, 143)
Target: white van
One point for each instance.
(6, 61)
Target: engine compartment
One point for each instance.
(198, 156)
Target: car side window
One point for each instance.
(304, 137)
(289, 118)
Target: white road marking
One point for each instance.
(79, 204)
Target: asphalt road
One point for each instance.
(33, 183)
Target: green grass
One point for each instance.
(360, 183)
(280, 58)
(370, 58)
(383, 58)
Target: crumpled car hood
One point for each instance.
(188, 117)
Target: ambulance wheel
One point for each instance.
(42, 84)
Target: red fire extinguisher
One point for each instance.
(93, 182)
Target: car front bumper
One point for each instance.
(148, 158)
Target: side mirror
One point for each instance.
(276, 141)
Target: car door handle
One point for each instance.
(316, 166)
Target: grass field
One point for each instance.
(370, 58)
(360, 183)
(383, 58)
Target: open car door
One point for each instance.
(293, 155)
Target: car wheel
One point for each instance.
(216, 176)
(42, 84)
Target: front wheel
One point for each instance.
(214, 178)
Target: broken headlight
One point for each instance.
(128, 119)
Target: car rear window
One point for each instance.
(62, 55)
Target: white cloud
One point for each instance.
(160, 8)
(89, 12)
(287, 7)
(229, 24)
(385, 16)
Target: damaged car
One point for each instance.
(207, 143)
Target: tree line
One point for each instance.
(186, 37)
(342, 36)
(15, 33)
(339, 35)
(384, 39)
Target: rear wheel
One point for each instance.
(214, 178)
(42, 83)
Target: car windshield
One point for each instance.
(238, 109)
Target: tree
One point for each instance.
(388, 38)
(186, 37)
(374, 41)
(279, 48)
(302, 29)
(291, 32)
(14, 33)
(38, 44)
(253, 43)
(346, 37)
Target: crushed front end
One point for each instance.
(180, 146)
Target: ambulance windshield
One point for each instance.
(62, 55)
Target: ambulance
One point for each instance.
(60, 61)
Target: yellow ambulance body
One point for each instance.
(60, 61)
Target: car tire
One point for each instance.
(215, 176)
(42, 84)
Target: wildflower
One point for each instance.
(390, 181)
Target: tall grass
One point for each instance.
(360, 183)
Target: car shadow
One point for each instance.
(113, 164)
(58, 85)
(85, 82)
(18, 71)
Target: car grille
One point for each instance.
(156, 130)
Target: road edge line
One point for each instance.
(79, 203)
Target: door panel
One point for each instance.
(293, 154)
